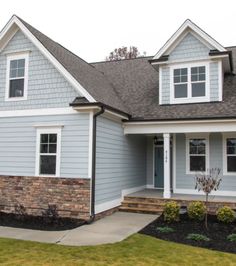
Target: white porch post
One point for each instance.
(166, 193)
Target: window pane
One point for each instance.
(197, 146)
(176, 72)
(202, 77)
(184, 78)
(231, 163)
(198, 89)
(198, 73)
(231, 142)
(20, 72)
(197, 163)
(44, 138)
(48, 164)
(202, 69)
(183, 71)
(13, 73)
(53, 138)
(194, 78)
(16, 88)
(192, 149)
(44, 148)
(21, 63)
(13, 64)
(181, 91)
(52, 148)
(177, 79)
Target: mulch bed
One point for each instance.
(217, 232)
(38, 222)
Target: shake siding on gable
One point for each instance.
(18, 144)
(121, 161)
(46, 86)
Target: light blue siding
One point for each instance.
(18, 144)
(165, 85)
(46, 86)
(121, 161)
(184, 181)
(214, 81)
(189, 48)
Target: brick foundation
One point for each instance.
(70, 195)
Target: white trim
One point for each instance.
(220, 80)
(224, 155)
(174, 162)
(90, 148)
(207, 162)
(38, 112)
(48, 130)
(107, 205)
(153, 163)
(166, 193)
(200, 193)
(180, 127)
(160, 85)
(188, 24)
(14, 20)
(189, 98)
(48, 125)
(16, 52)
(14, 56)
(127, 191)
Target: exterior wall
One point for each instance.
(120, 164)
(46, 87)
(71, 196)
(214, 81)
(165, 85)
(184, 181)
(18, 144)
(189, 48)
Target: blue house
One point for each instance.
(82, 136)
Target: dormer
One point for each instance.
(191, 67)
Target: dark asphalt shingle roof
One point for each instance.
(137, 84)
(98, 86)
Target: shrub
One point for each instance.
(197, 211)
(197, 237)
(165, 229)
(225, 215)
(171, 212)
(50, 215)
(231, 238)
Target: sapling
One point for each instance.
(208, 182)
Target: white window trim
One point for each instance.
(225, 137)
(189, 99)
(48, 130)
(15, 56)
(196, 136)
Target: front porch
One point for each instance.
(153, 201)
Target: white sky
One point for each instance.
(93, 28)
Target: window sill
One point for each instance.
(15, 99)
(229, 173)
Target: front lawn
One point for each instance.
(136, 250)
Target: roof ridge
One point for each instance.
(118, 60)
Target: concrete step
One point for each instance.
(140, 210)
(142, 205)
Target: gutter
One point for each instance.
(92, 216)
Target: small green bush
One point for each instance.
(165, 229)
(171, 212)
(225, 215)
(231, 238)
(197, 237)
(196, 210)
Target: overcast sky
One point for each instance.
(93, 28)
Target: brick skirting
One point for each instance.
(70, 195)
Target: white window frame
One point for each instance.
(48, 130)
(189, 98)
(17, 56)
(196, 136)
(225, 164)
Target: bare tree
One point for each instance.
(124, 53)
(208, 183)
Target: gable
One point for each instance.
(189, 48)
(46, 86)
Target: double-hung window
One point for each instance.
(197, 154)
(17, 77)
(230, 155)
(189, 84)
(48, 151)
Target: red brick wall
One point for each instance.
(71, 195)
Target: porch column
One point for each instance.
(166, 138)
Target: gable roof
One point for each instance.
(188, 24)
(90, 82)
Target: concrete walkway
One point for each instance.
(110, 229)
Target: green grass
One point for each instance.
(136, 250)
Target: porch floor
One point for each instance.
(156, 193)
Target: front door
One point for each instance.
(159, 167)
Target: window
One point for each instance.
(17, 72)
(230, 150)
(197, 154)
(189, 84)
(48, 152)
